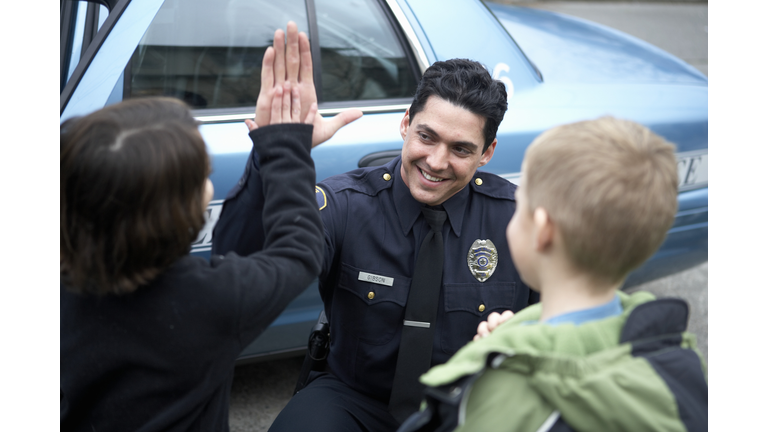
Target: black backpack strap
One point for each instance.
(655, 330)
(445, 403)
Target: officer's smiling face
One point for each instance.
(442, 149)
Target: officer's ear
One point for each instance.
(488, 154)
(405, 123)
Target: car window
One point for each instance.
(361, 55)
(208, 53)
(80, 21)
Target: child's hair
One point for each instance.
(610, 186)
(132, 182)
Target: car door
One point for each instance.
(209, 53)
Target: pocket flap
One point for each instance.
(375, 286)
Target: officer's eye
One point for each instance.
(423, 136)
(462, 150)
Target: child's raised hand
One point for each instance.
(494, 320)
(285, 107)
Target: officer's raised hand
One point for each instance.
(293, 63)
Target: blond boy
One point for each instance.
(595, 200)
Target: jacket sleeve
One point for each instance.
(274, 219)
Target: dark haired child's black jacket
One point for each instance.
(162, 357)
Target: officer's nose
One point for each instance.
(438, 158)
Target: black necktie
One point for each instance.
(415, 354)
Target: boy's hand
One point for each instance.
(494, 320)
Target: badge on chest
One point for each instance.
(482, 259)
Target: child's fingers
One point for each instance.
(286, 102)
(507, 314)
(277, 102)
(295, 105)
(311, 114)
(252, 126)
(493, 320)
(482, 329)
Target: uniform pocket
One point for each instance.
(384, 305)
(466, 305)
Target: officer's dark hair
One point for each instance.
(466, 84)
(131, 197)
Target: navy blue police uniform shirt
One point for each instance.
(373, 230)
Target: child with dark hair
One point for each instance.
(149, 333)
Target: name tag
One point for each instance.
(372, 278)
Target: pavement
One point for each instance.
(261, 390)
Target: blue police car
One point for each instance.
(369, 54)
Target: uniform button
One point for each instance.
(478, 181)
(481, 308)
(242, 181)
(387, 177)
(371, 295)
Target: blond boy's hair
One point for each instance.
(610, 186)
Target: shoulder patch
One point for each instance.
(321, 197)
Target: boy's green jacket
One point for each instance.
(638, 371)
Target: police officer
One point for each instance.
(412, 262)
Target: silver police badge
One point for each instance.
(482, 259)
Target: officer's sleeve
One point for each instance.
(333, 214)
(240, 227)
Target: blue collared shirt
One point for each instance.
(612, 308)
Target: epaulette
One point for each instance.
(369, 180)
(492, 185)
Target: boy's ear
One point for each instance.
(544, 229)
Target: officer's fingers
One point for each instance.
(279, 44)
(311, 114)
(277, 103)
(292, 53)
(287, 102)
(305, 53)
(325, 128)
(252, 126)
(264, 101)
